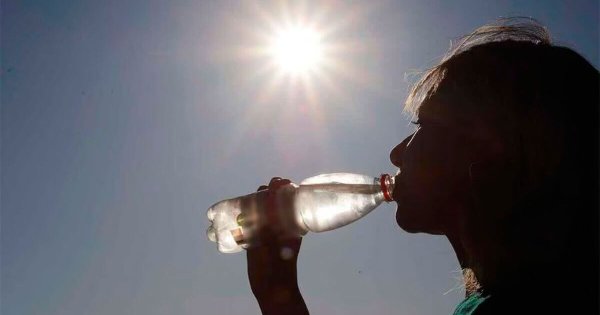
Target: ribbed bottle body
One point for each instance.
(320, 203)
(330, 201)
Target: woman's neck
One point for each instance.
(482, 262)
(491, 266)
(470, 279)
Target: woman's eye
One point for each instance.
(416, 122)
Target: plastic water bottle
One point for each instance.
(320, 203)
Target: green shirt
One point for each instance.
(469, 305)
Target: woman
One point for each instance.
(504, 163)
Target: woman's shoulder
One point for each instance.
(528, 302)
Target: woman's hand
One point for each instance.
(272, 264)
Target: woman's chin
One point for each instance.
(413, 221)
(406, 221)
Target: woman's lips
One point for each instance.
(395, 193)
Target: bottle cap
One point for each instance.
(384, 181)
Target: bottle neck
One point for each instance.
(387, 187)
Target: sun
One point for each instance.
(295, 64)
(297, 50)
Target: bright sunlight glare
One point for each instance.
(297, 50)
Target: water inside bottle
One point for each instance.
(324, 207)
(320, 203)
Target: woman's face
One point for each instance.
(432, 187)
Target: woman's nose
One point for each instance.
(397, 151)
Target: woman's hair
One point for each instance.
(540, 104)
(510, 29)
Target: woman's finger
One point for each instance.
(277, 182)
(262, 187)
(273, 180)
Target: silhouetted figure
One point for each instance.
(504, 162)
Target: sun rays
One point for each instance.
(298, 65)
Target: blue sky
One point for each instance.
(122, 121)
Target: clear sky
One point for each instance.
(123, 121)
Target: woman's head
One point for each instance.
(508, 134)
